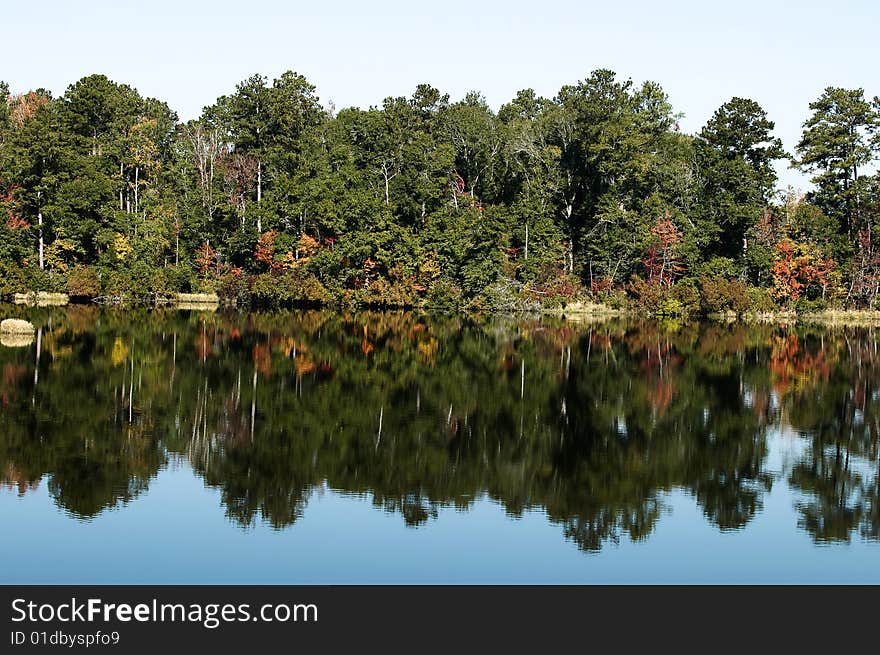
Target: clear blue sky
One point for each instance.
(357, 53)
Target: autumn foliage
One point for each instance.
(797, 267)
(205, 257)
(662, 264)
(265, 251)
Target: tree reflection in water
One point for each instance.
(590, 423)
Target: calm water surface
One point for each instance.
(319, 447)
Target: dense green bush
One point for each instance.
(235, 288)
(719, 295)
(760, 300)
(181, 278)
(14, 279)
(680, 299)
(383, 292)
(274, 290)
(136, 282)
(443, 295)
(805, 305)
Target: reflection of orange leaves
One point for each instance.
(761, 404)
(793, 368)
(119, 353)
(15, 480)
(428, 350)
(289, 346)
(600, 340)
(262, 356)
(660, 356)
(235, 334)
(366, 346)
(784, 351)
(304, 364)
(661, 395)
(722, 339)
(508, 362)
(203, 345)
(12, 373)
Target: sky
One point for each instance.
(357, 53)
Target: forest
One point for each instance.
(271, 198)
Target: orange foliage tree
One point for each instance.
(661, 259)
(205, 257)
(798, 266)
(265, 250)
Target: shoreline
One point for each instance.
(575, 312)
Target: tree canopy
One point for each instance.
(269, 197)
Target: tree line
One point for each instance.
(270, 197)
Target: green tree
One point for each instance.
(835, 145)
(735, 154)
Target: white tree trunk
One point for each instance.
(40, 223)
(259, 195)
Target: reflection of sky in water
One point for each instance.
(177, 533)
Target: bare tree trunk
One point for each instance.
(137, 174)
(526, 252)
(254, 405)
(40, 223)
(259, 195)
(131, 392)
(379, 434)
(37, 360)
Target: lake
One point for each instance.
(149, 446)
